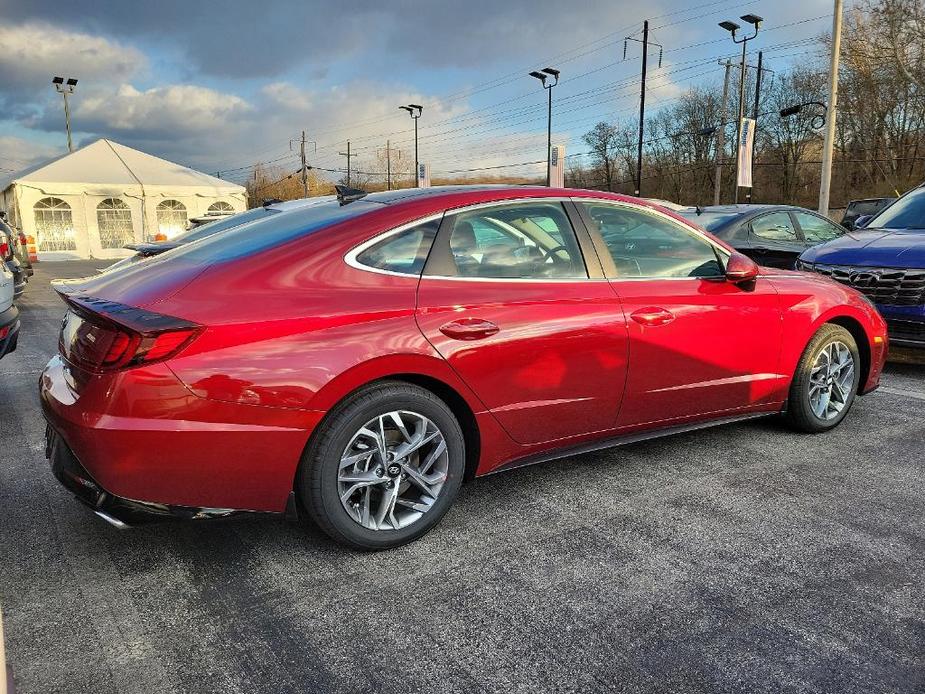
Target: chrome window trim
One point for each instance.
(351, 257)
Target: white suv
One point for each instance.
(9, 314)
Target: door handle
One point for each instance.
(652, 316)
(469, 329)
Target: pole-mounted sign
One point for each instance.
(557, 167)
(423, 175)
(746, 148)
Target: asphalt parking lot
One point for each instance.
(743, 558)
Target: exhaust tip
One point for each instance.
(115, 522)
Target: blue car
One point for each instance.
(885, 261)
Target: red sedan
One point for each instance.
(355, 361)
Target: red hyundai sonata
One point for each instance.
(356, 360)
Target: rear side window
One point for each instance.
(776, 226)
(404, 252)
(253, 237)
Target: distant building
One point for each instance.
(90, 203)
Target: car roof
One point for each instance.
(745, 209)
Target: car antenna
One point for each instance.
(346, 194)
(270, 201)
(699, 210)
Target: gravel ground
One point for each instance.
(741, 558)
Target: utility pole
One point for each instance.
(825, 183)
(304, 169)
(721, 136)
(348, 155)
(642, 94)
(388, 164)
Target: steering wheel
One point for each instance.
(551, 254)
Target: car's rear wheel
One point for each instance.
(826, 381)
(384, 468)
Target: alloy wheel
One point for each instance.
(392, 470)
(831, 381)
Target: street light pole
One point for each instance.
(732, 28)
(551, 74)
(825, 183)
(415, 110)
(66, 88)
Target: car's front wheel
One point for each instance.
(826, 381)
(384, 468)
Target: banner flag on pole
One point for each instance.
(746, 148)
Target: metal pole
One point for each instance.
(348, 163)
(741, 112)
(304, 169)
(417, 169)
(721, 137)
(549, 140)
(67, 122)
(642, 105)
(825, 183)
(388, 164)
(758, 86)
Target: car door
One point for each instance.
(816, 229)
(698, 344)
(508, 299)
(774, 240)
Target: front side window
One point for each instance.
(54, 226)
(526, 240)
(776, 226)
(645, 244)
(114, 221)
(816, 229)
(404, 252)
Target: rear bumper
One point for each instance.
(9, 328)
(115, 510)
(140, 436)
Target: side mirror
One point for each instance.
(862, 221)
(741, 269)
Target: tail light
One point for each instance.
(104, 336)
(23, 241)
(6, 251)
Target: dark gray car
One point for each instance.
(771, 235)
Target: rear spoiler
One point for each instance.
(151, 248)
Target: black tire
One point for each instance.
(317, 482)
(800, 414)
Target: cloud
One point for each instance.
(34, 52)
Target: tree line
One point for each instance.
(880, 141)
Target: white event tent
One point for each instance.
(90, 203)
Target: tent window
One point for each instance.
(114, 219)
(54, 228)
(221, 206)
(171, 218)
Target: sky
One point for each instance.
(220, 86)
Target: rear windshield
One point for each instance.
(711, 221)
(866, 207)
(269, 230)
(209, 228)
(906, 213)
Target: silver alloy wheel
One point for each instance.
(392, 471)
(831, 380)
